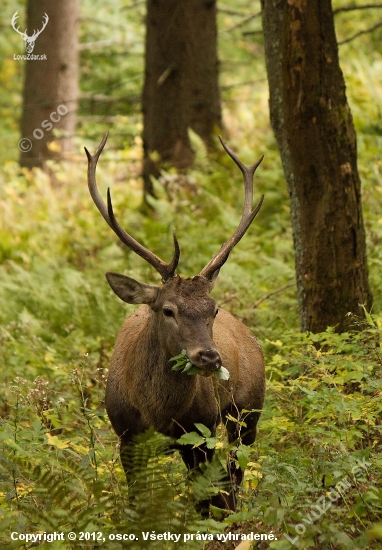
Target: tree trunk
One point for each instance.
(313, 126)
(51, 84)
(181, 88)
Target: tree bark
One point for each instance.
(314, 130)
(181, 88)
(52, 82)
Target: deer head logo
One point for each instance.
(29, 40)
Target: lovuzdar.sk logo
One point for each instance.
(29, 40)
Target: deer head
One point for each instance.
(29, 40)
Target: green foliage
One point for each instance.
(60, 472)
(196, 440)
(184, 365)
(323, 398)
(60, 468)
(59, 464)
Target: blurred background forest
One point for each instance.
(59, 465)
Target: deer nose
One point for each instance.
(208, 359)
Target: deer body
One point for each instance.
(143, 390)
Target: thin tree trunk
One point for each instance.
(315, 134)
(181, 88)
(51, 85)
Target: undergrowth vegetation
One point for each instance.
(321, 425)
(60, 469)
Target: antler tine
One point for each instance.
(14, 18)
(92, 183)
(44, 24)
(247, 217)
(248, 173)
(166, 271)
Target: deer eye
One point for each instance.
(216, 312)
(167, 312)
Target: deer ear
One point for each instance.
(130, 290)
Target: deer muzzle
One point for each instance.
(206, 359)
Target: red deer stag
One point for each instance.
(142, 389)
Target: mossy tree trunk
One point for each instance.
(313, 126)
(52, 82)
(181, 88)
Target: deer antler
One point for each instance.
(246, 219)
(15, 16)
(24, 34)
(166, 271)
(44, 24)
